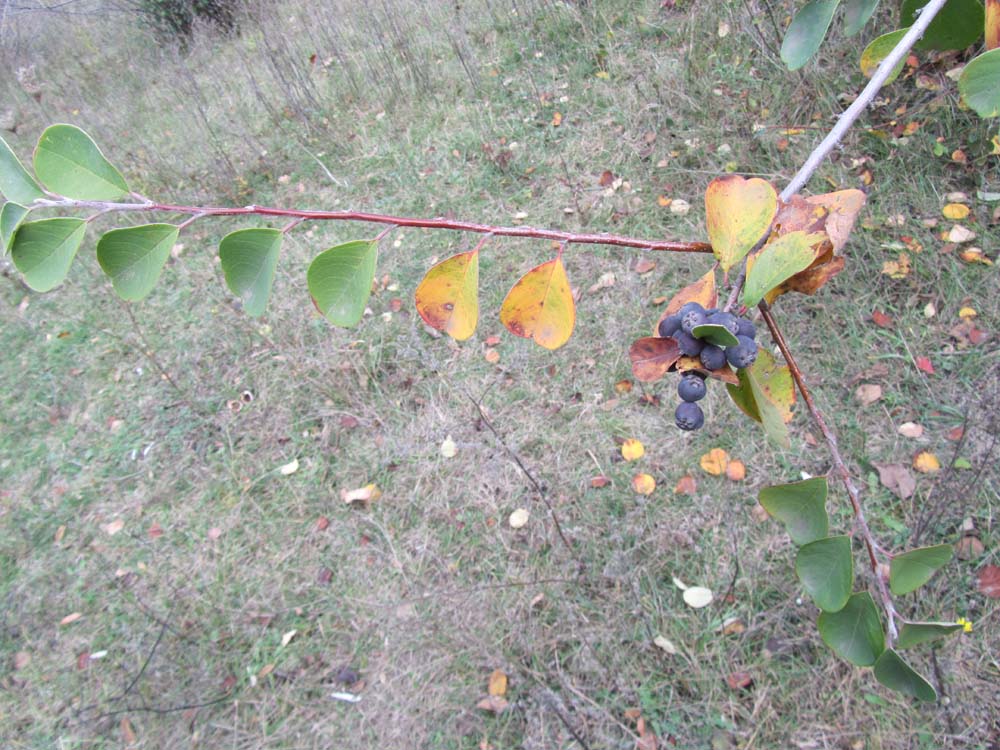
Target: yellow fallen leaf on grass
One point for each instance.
(632, 449)
(498, 683)
(448, 447)
(897, 269)
(715, 461)
(290, 468)
(926, 462)
(644, 484)
(955, 211)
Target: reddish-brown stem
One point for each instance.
(839, 466)
(585, 238)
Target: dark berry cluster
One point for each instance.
(681, 326)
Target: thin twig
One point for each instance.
(530, 477)
(585, 238)
(840, 467)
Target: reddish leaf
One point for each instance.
(988, 581)
(955, 433)
(739, 680)
(925, 365)
(155, 530)
(686, 485)
(540, 306)
(599, 481)
(652, 357)
(322, 523)
(882, 320)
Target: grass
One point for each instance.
(232, 585)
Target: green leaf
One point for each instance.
(855, 632)
(15, 182)
(249, 259)
(778, 261)
(134, 256)
(714, 334)
(340, 281)
(957, 25)
(800, 506)
(911, 570)
(979, 84)
(897, 675)
(43, 250)
(856, 15)
(766, 393)
(806, 31)
(69, 163)
(11, 216)
(915, 633)
(826, 569)
(878, 50)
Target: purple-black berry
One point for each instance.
(689, 416)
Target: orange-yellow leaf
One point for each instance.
(632, 449)
(738, 212)
(448, 297)
(726, 375)
(540, 306)
(715, 461)
(644, 484)
(926, 462)
(686, 485)
(955, 211)
(736, 470)
(843, 207)
(652, 357)
(497, 683)
(702, 291)
(992, 24)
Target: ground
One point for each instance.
(167, 584)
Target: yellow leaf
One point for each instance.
(540, 306)
(715, 461)
(738, 212)
(448, 447)
(448, 296)
(926, 462)
(497, 683)
(602, 74)
(632, 449)
(897, 269)
(557, 119)
(955, 211)
(967, 312)
(644, 484)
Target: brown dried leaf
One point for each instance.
(652, 357)
(495, 704)
(988, 581)
(686, 485)
(868, 393)
(897, 479)
(599, 481)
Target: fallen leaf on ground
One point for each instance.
(733, 626)
(736, 470)
(897, 269)
(128, 733)
(322, 523)
(623, 386)
(714, 462)
(686, 485)
(493, 703)
(697, 597)
(967, 312)
(910, 430)
(599, 481)
(497, 683)
(605, 281)
(926, 462)
(969, 547)
(924, 365)
(644, 265)
(492, 356)
(988, 581)
(644, 484)
(632, 449)
(287, 637)
(882, 320)
(21, 659)
(114, 527)
(955, 433)
(368, 493)
(71, 618)
(975, 255)
(955, 211)
(448, 447)
(665, 644)
(214, 533)
(290, 468)
(958, 233)
(897, 479)
(647, 739)
(739, 680)
(155, 530)
(868, 393)
(519, 518)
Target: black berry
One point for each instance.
(692, 319)
(689, 416)
(688, 307)
(689, 345)
(713, 357)
(747, 328)
(669, 325)
(743, 354)
(728, 320)
(691, 388)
